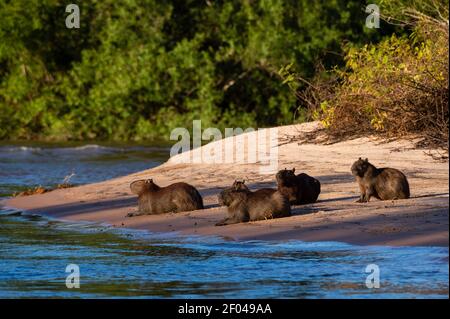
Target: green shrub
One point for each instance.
(396, 87)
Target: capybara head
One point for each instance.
(226, 196)
(230, 194)
(141, 186)
(360, 167)
(285, 174)
(239, 185)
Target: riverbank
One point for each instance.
(419, 221)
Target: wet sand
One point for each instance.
(419, 221)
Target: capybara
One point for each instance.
(177, 197)
(299, 189)
(245, 205)
(382, 183)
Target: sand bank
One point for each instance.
(421, 220)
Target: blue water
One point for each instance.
(28, 165)
(34, 251)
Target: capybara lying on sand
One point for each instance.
(245, 205)
(177, 197)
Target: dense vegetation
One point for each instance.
(136, 69)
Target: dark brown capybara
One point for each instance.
(245, 205)
(299, 189)
(382, 183)
(177, 197)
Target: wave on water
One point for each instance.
(27, 166)
(87, 147)
(93, 147)
(19, 148)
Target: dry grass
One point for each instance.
(396, 88)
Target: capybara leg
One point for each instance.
(138, 213)
(238, 217)
(227, 221)
(369, 193)
(362, 196)
(223, 222)
(365, 198)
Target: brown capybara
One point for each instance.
(245, 205)
(382, 183)
(177, 197)
(299, 189)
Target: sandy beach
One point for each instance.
(421, 220)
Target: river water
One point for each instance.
(35, 251)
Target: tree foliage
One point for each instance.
(395, 87)
(136, 69)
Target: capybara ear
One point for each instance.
(293, 170)
(359, 158)
(366, 160)
(137, 187)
